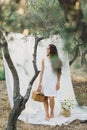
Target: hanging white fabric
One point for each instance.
(21, 52)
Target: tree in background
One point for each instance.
(75, 27)
(64, 17)
(42, 18)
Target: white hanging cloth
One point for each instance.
(21, 50)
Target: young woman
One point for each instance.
(50, 79)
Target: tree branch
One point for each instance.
(11, 66)
(35, 68)
(76, 49)
(83, 59)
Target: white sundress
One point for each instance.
(49, 80)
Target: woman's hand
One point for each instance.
(58, 86)
(39, 87)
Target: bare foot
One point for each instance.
(52, 115)
(47, 118)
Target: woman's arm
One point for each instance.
(58, 80)
(41, 75)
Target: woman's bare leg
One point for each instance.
(52, 103)
(46, 106)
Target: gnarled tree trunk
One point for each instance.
(19, 101)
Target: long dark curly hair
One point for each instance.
(55, 60)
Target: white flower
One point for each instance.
(67, 104)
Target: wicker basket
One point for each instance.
(38, 96)
(66, 113)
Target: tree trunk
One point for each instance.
(76, 49)
(19, 101)
(83, 58)
(15, 112)
(74, 22)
